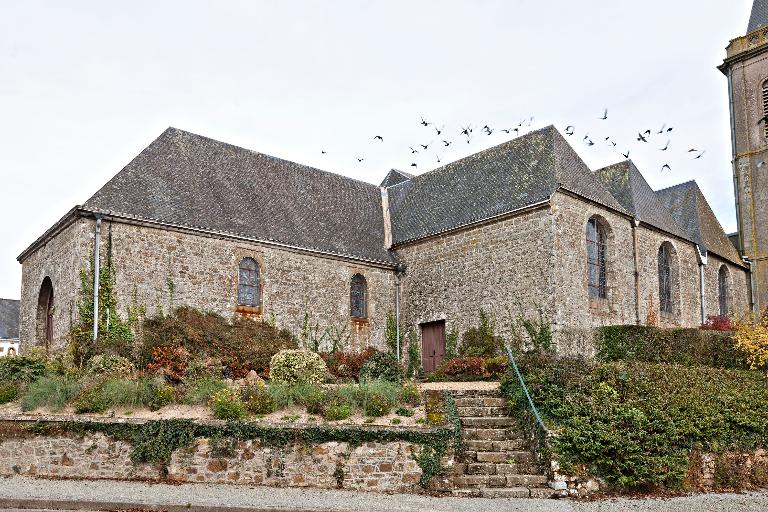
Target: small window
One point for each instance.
(248, 286)
(665, 279)
(358, 297)
(598, 282)
(722, 286)
(765, 108)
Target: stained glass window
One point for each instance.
(358, 297)
(665, 279)
(598, 281)
(248, 286)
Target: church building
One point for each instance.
(523, 228)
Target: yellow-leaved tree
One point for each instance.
(751, 337)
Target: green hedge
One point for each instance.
(689, 347)
(635, 424)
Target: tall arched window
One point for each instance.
(665, 278)
(358, 297)
(722, 287)
(765, 107)
(598, 282)
(248, 285)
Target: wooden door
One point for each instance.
(432, 345)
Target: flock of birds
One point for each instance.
(468, 133)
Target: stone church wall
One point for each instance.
(738, 287)
(162, 269)
(61, 260)
(500, 267)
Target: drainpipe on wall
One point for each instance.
(97, 241)
(635, 257)
(702, 260)
(397, 311)
(752, 301)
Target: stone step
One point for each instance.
(503, 457)
(489, 434)
(479, 401)
(494, 446)
(527, 480)
(506, 492)
(482, 411)
(488, 422)
(471, 393)
(496, 468)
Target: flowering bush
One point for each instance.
(718, 323)
(751, 337)
(377, 404)
(297, 366)
(105, 364)
(170, 361)
(257, 399)
(226, 405)
(410, 394)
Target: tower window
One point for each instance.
(765, 108)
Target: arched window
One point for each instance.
(248, 284)
(596, 268)
(722, 287)
(665, 278)
(358, 297)
(44, 314)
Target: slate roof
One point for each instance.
(693, 214)
(9, 319)
(193, 181)
(394, 177)
(759, 16)
(518, 173)
(625, 182)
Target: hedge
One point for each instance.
(688, 347)
(635, 424)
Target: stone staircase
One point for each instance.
(497, 461)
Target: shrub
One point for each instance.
(288, 395)
(297, 366)
(21, 369)
(395, 421)
(481, 341)
(315, 400)
(382, 366)
(203, 368)
(452, 344)
(688, 347)
(257, 399)
(752, 339)
(8, 392)
(347, 365)
(160, 394)
(496, 367)
(414, 357)
(169, 361)
(462, 367)
(242, 344)
(377, 404)
(717, 323)
(91, 401)
(126, 392)
(634, 423)
(402, 411)
(200, 390)
(106, 364)
(54, 392)
(337, 411)
(409, 394)
(226, 405)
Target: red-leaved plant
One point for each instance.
(718, 323)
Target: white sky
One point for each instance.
(85, 86)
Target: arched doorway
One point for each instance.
(45, 313)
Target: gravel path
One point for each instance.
(21, 492)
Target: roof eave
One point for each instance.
(57, 227)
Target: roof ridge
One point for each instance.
(689, 182)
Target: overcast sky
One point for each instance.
(85, 86)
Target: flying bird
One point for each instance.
(586, 137)
(413, 150)
(360, 159)
(666, 147)
(425, 146)
(447, 143)
(700, 155)
(506, 130)
(664, 129)
(424, 122)
(590, 143)
(569, 130)
(465, 131)
(438, 158)
(414, 165)
(665, 166)
(605, 115)
(322, 151)
(625, 155)
(439, 130)
(641, 137)
(379, 137)
(693, 150)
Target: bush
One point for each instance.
(377, 404)
(718, 323)
(409, 394)
(688, 347)
(91, 401)
(21, 369)
(199, 391)
(481, 341)
(105, 364)
(8, 392)
(169, 361)
(131, 393)
(288, 395)
(460, 368)
(297, 366)
(54, 392)
(452, 344)
(752, 339)
(226, 405)
(635, 423)
(241, 344)
(160, 394)
(257, 399)
(337, 411)
(203, 368)
(414, 357)
(382, 366)
(402, 411)
(347, 365)
(496, 367)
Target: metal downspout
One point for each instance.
(637, 270)
(97, 241)
(701, 258)
(397, 311)
(752, 286)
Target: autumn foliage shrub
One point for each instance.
(241, 344)
(752, 338)
(717, 323)
(170, 361)
(347, 365)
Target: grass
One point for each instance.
(54, 392)
(126, 392)
(199, 391)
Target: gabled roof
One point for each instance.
(9, 319)
(521, 172)
(625, 182)
(193, 181)
(759, 16)
(693, 214)
(394, 177)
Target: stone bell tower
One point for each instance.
(746, 66)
